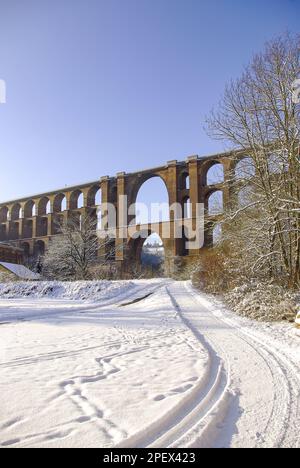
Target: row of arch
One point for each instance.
(211, 177)
(59, 204)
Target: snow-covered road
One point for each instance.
(147, 364)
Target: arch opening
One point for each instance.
(28, 229)
(215, 203)
(44, 207)
(29, 209)
(152, 202)
(76, 200)
(16, 212)
(94, 196)
(185, 181)
(39, 248)
(60, 203)
(4, 214)
(245, 168)
(152, 254)
(42, 226)
(26, 249)
(14, 230)
(245, 196)
(215, 174)
(2, 232)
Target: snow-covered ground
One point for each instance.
(142, 364)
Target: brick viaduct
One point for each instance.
(30, 222)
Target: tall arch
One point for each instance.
(146, 253)
(16, 212)
(26, 249)
(3, 232)
(28, 229)
(94, 196)
(214, 173)
(152, 254)
(76, 200)
(245, 168)
(215, 203)
(184, 181)
(60, 203)
(152, 201)
(4, 212)
(44, 206)
(39, 248)
(29, 209)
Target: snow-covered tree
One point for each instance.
(259, 117)
(77, 250)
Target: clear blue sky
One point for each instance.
(100, 86)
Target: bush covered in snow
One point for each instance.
(263, 302)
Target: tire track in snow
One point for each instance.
(193, 408)
(209, 414)
(284, 417)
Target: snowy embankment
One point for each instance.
(79, 290)
(141, 364)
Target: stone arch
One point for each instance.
(60, 203)
(14, 230)
(142, 179)
(4, 214)
(75, 219)
(57, 223)
(16, 212)
(39, 248)
(135, 244)
(184, 181)
(152, 256)
(135, 248)
(94, 196)
(160, 209)
(44, 206)
(29, 209)
(244, 168)
(75, 200)
(42, 226)
(244, 196)
(28, 229)
(213, 173)
(26, 249)
(3, 232)
(215, 202)
(113, 193)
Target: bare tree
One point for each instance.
(77, 250)
(258, 116)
